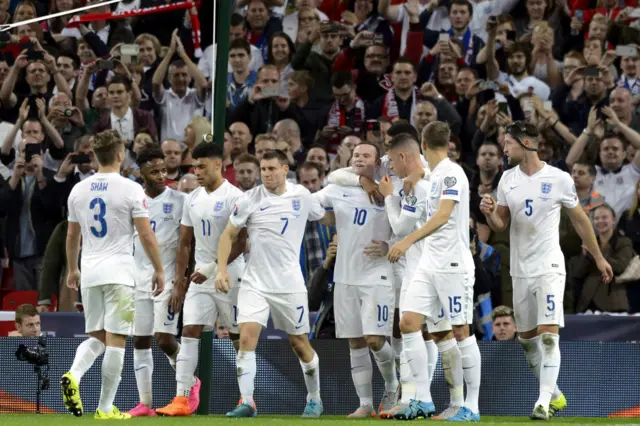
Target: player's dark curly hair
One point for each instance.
(207, 150)
(148, 154)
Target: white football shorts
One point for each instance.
(538, 301)
(205, 305)
(363, 310)
(108, 307)
(289, 311)
(154, 314)
(441, 297)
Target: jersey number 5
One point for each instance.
(101, 231)
(528, 207)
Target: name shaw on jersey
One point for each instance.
(99, 186)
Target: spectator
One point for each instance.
(299, 18)
(261, 26)
(311, 176)
(629, 226)
(347, 114)
(240, 139)
(424, 113)
(584, 175)
(319, 63)
(313, 112)
(188, 183)
(180, 102)
(172, 159)
(264, 144)
(289, 131)
(121, 116)
(504, 323)
(68, 64)
(242, 79)
(280, 54)
(618, 251)
(29, 203)
(629, 77)
(194, 134)
(321, 294)
(27, 321)
(76, 167)
(264, 106)
(488, 162)
(401, 100)
(247, 171)
(308, 18)
(317, 154)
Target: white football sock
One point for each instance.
(311, 372)
(86, 355)
(432, 351)
(111, 372)
(471, 369)
(361, 374)
(173, 359)
(533, 354)
(246, 368)
(406, 379)
(186, 364)
(416, 353)
(143, 366)
(452, 367)
(550, 367)
(387, 366)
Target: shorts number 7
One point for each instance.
(301, 309)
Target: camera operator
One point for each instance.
(69, 124)
(27, 322)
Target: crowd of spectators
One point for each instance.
(314, 78)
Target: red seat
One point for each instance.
(11, 301)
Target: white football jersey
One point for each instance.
(358, 222)
(105, 205)
(165, 214)
(276, 225)
(447, 249)
(408, 213)
(534, 203)
(208, 215)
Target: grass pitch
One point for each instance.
(87, 419)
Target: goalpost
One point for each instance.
(222, 10)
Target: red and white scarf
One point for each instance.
(188, 5)
(338, 117)
(390, 105)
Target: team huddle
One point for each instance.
(407, 259)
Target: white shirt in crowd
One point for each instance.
(124, 125)
(290, 23)
(176, 112)
(447, 249)
(535, 202)
(276, 225)
(526, 85)
(104, 206)
(618, 187)
(208, 215)
(358, 222)
(165, 214)
(103, 34)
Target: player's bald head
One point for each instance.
(405, 143)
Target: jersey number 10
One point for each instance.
(360, 217)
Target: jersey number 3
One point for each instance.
(101, 230)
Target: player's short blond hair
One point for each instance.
(106, 146)
(436, 135)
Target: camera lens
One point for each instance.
(68, 112)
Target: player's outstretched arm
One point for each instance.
(440, 217)
(150, 245)
(73, 253)
(583, 228)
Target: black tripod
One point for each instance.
(43, 383)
